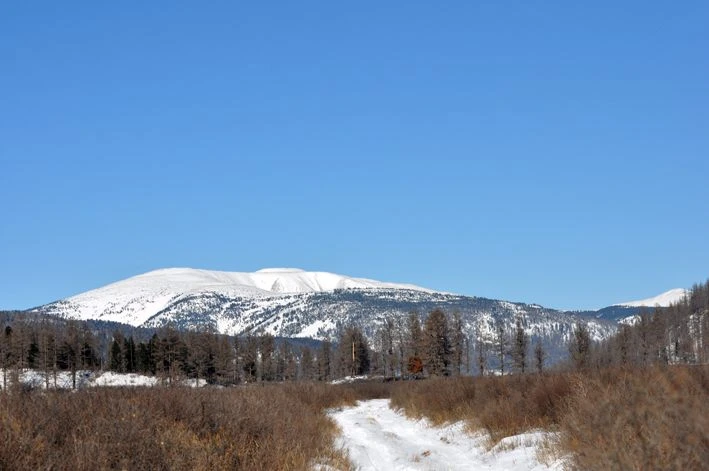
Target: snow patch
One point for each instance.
(312, 330)
(109, 378)
(378, 438)
(37, 379)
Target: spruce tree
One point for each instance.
(436, 344)
(519, 351)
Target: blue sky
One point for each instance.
(556, 154)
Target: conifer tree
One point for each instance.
(325, 361)
(519, 351)
(539, 356)
(580, 346)
(501, 346)
(436, 344)
(353, 352)
(116, 358)
(457, 341)
(414, 345)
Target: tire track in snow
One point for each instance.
(379, 438)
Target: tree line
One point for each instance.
(408, 347)
(437, 345)
(678, 334)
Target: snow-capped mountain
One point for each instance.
(136, 300)
(663, 300)
(296, 303)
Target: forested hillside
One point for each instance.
(666, 335)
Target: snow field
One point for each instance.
(379, 438)
(86, 379)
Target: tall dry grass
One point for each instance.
(639, 419)
(269, 427)
(502, 406)
(654, 418)
(624, 419)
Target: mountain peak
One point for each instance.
(663, 300)
(136, 299)
(280, 270)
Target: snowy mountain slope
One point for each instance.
(135, 300)
(294, 303)
(663, 300)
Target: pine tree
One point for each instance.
(481, 351)
(353, 352)
(290, 361)
(436, 344)
(130, 357)
(5, 354)
(71, 350)
(249, 358)
(457, 340)
(580, 346)
(116, 357)
(33, 353)
(501, 345)
(267, 348)
(414, 345)
(519, 351)
(539, 356)
(325, 361)
(306, 364)
(386, 346)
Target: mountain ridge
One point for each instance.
(290, 302)
(136, 299)
(663, 299)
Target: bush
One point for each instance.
(256, 427)
(639, 419)
(653, 418)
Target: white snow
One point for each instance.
(109, 378)
(84, 378)
(379, 438)
(311, 331)
(135, 300)
(350, 379)
(663, 300)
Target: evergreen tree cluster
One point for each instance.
(678, 334)
(437, 346)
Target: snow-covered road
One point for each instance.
(378, 438)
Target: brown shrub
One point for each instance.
(255, 427)
(621, 419)
(438, 399)
(502, 406)
(640, 419)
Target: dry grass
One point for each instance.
(502, 406)
(636, 420)
(655, 418)
(270, 427)
(651, 418)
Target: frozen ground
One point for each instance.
(379, 438)
(84, 378)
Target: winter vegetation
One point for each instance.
(634, 400)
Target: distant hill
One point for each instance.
(317, 305)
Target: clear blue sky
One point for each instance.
(556, 154)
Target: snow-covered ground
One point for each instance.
(110, 378)
(85, 379)
(379, 438)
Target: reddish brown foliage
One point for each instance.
(260, 427)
